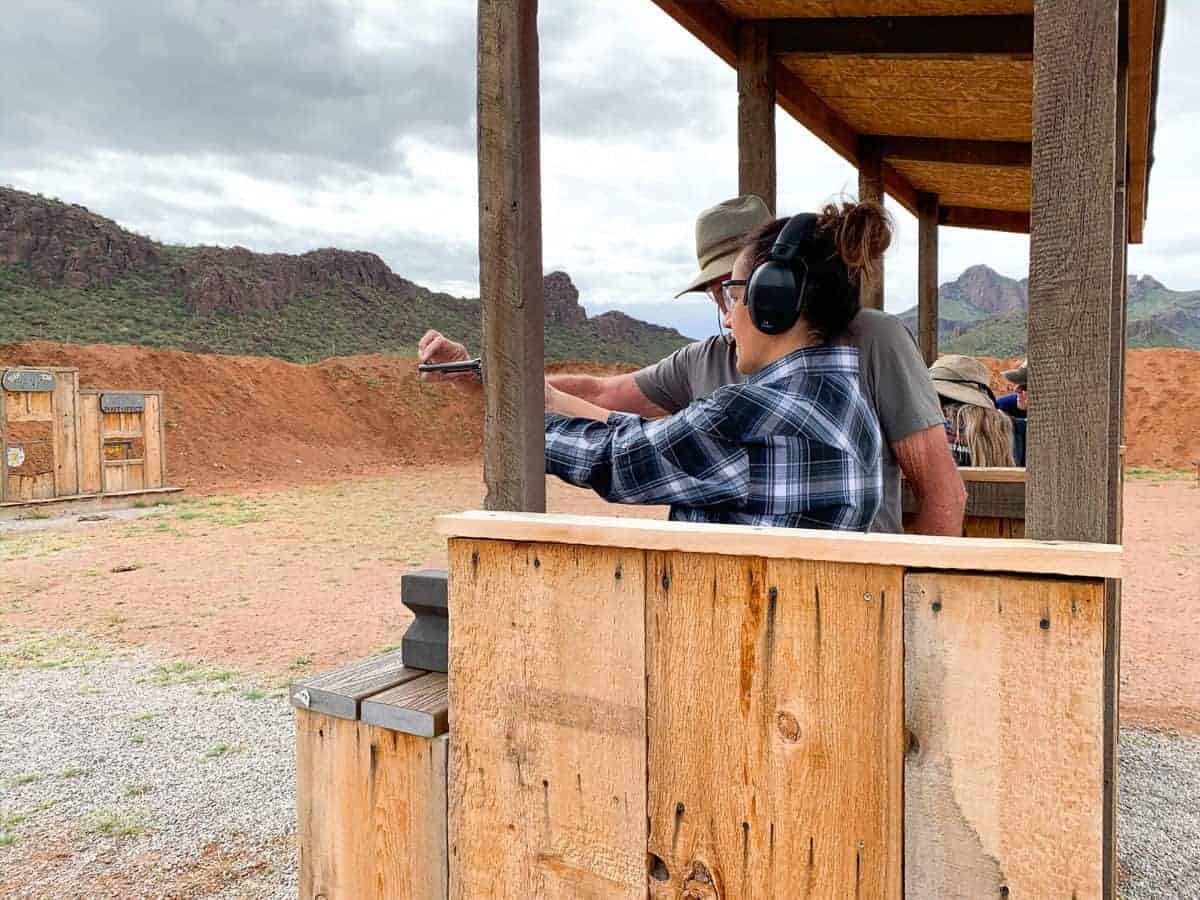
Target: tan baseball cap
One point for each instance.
(719, 234)
(963, 379)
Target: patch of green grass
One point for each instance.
(72, 772)
(112, 822)
(6, 839)
(146, 716)
(1145, 473)
(216, 751)
(137, 739)
(183, 672)
(25, 778)
(300, 664)
(11, 820)
(52, 651)
(137, 789)
(253, 694)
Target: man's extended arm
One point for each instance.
(613, 392)
(928, 466)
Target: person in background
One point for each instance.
(978, 433)
(1016, 406)
(794, 445)
(891, 374)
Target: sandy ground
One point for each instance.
(306, 579)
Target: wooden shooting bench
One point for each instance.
(995, 502)
(648, 709)
(643, 708)
(1028, 116)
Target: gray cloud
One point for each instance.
(250, 81)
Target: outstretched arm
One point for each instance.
(629, 460)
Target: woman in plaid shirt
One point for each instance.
(797, 444)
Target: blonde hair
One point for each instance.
(986, 433)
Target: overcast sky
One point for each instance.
(294, 124)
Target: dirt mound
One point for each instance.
(248, 421)
(234, 422)
(1162, 418)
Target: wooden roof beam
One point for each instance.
(939, 37)
(717, 30)
(986, 219)
(1006, 154)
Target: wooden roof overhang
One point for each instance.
(943, 88)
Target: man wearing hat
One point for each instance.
(1016, 405)
(892, 375)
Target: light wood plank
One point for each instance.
(89, 444)
(371, 806)
(775, 728)
(909, 550)
(152, 425)
(66, 435)
(135, 473)
(114, 478)
(510, 254)
(1004, 701)
(547, 700)
(340, 692)
(418, 707)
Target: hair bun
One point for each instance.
(862, 232)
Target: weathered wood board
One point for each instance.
(372, 808)
(341, 692)
(547, 690)
(775, 727)
(419, 707)
(66, 439)
(1004, 701)
(90, 455)
(155, 470)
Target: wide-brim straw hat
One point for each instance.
(1019, 375)
(962, 379)
(720, 231)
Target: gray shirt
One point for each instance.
(892, 374)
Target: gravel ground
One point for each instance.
(1158, 816)
(126, 775)
(123, 774)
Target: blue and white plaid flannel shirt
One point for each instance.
(797, 445)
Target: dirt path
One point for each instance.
(282, 583)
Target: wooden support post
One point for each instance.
(1076, 375)
(870, 187)
(927, 275)
(1116, 437)
(756, 113)
(510, 255)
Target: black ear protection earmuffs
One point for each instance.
(775, 294)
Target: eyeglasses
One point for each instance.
(730, 299)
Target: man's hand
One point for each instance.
(435, 347)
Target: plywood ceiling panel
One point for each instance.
(971, 99)
(780, 9)
(985, 187)
(979, 80)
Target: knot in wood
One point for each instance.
(788, 727)
(699, 885)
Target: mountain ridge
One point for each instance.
(984, 313)
(68, 274)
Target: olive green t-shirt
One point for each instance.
(892, 374)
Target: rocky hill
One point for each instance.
(67, 274)
(983, 313)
